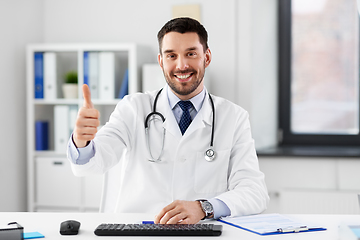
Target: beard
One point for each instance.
(185, 88)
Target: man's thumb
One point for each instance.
(87, 96)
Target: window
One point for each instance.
(319, 72)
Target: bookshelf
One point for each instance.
(51, 184)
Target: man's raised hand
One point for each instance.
(87, 120)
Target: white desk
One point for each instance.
(49, 223)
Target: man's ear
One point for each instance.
(160, 61)
(207, 57)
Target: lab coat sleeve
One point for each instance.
(247, 192)
(112, 140)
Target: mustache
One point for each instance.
(184, 71)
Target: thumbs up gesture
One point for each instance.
(87, 120)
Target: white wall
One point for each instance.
(242, 38)
(139, 21)
(20, 23)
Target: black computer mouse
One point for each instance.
(69, 227)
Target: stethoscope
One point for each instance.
(210, 153)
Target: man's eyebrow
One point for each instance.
(169, 51)
(188, 49)
(191, 49)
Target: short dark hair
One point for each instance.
(184, 25)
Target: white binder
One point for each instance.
(50, 87)
(73, 111)
(61, 127)
(94, 74)
(106, 75)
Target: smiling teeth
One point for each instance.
(183, 76)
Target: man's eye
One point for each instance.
(171, 56)
(191, 54)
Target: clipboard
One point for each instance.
(270, 224)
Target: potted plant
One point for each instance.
(70, 86)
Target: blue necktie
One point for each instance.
(185, 119)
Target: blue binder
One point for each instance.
(41, 135)
(124, 90)
(39, 74)
(86, 68)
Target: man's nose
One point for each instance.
(182, 63)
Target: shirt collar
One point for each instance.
(197, 100)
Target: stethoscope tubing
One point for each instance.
(154, 112)
(213, 122)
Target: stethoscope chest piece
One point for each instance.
(210, 155)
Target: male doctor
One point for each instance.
(172, 178)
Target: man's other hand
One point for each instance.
(180, 212)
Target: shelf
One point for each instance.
(62, 101)
(49, 154)
(311, 151)
(57, 115)
(56, 101)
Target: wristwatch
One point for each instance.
(207, 208)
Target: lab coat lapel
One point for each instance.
(202, 118)
(170, 123)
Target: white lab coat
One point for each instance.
(233, 177)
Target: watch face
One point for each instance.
(208, 207)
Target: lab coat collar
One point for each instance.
(203, 117)
(196, 101)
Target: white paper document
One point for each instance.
(265, 224)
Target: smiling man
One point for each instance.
(205, 164)
(183, 60)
